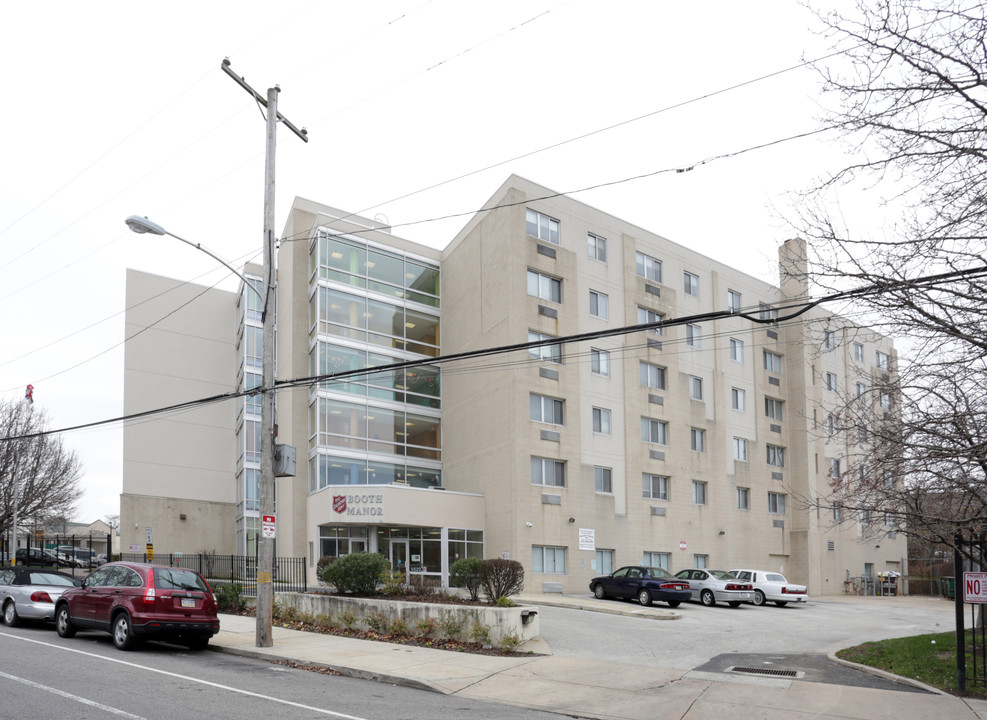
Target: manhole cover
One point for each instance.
(766, 671)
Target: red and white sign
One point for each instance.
(974, 587)
(682, 545)
(267, 526)
(339, 503)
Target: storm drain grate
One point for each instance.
(766, 671)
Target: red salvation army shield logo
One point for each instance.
(339, 503)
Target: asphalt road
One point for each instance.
(703, 634)
(44, 676)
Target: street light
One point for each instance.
(265, 544)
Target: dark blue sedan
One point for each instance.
(641, 583)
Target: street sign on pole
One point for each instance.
(975, 587)
(268, 527)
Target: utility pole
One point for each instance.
(265, 546)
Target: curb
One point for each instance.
(900, 679)
(651, 613)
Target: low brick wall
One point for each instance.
(521, 620)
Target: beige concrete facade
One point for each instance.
(748, 513)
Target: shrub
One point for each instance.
(425, 585)
(501, 578)
(480, 633)
(505, 602)
(322, 564)
(452, 626)
(357, 573)
(393, 583)
(427, 626)
(398, 627)
(347, 620)
(376, 621)
(229, 598)
(511, 641)
(467, 573)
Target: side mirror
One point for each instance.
(77, 583)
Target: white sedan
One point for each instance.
(773, 587)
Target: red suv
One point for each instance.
(133, 601)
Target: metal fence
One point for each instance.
(289, 573)
(971, 639)
(76, 555)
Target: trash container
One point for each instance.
(949, 588)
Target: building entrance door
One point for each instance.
(399, 556)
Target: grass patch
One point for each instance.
(930, 659)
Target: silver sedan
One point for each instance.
(29, 593)
(712, 586)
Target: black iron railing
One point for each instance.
(289, 573)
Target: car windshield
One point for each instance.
(775, 577)
(657, 572)
(722, 574)
(177, 579)
(42, 578)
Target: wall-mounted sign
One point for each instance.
(366, 504)
(587, 539)
(682, 545)
(268, 526)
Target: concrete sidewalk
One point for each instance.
(587, 688)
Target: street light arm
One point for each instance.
(141, 225)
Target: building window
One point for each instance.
(652, 376)
(837, 512)
(691, 284)
(767, 312)
(253, 350)
(597, 247)
(829, 340)
(743, 498)
(654, 431)
(740, 449)
(734, 301)
(598, 305)
(831, 424)
(883, 360)
(736, 350)
(831, 381)
(885, 399)
(542, 227)
(861, 389)
(700, 561)
(601, 421)
(697, 439)
(695, 387)
(546, 409)
(253, 402)
(602, 479)
(658, 559)
(545, 353)
(644, 315)
(698, 492)
(544, 287)
(776, 503)
(774, 409)
(858, 352)
(599, 362)
(548, 560)
(738, 399)
(772, 362)
(550, 473)
(693, 336)
(776, 456)
(604, 561)
(648, 267)
(834, 468)
(654, 487)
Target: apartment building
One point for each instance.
(701, 440)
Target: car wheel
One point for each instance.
(63, 622)
(123, 632)
(781, 603)
(599, 592)
(758, 598)
(10, 614)
(734, 603)
(674, 603)
(197, 643)
(644, 597)
(707, 598)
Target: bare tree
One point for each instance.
(45, 474)
(911, 101)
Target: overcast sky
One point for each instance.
(120, 108)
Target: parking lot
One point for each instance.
(701, 634)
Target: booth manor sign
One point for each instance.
(358, 504)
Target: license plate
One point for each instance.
(188, 602)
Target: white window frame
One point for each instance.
(776, 503)
(546, 464)
(883, 360)
(548, 560)
(695, 388)
(774, 409)
(831, 381)
(549, 231)
(603, 480)
(737, 350)
(740, 449)
(829, 340)
(767, 312)
(734, 301)
(743, 498)
(861, 390)
(690, 283)
(648, 425)
(693, 336)
(700, 562)
(545, 287)
(602, 418)
(604, 561)
(599, 305)
(697, 439)
(545, 353)
(599, 362)
(648, 267)
(647, 315)
(775, 456)
(650, 482)
(661, 560)
(597, 247)
(699, 492)
(738, 399)
(545, 409)
(772, 362)
(858, 352)
(652, 376)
